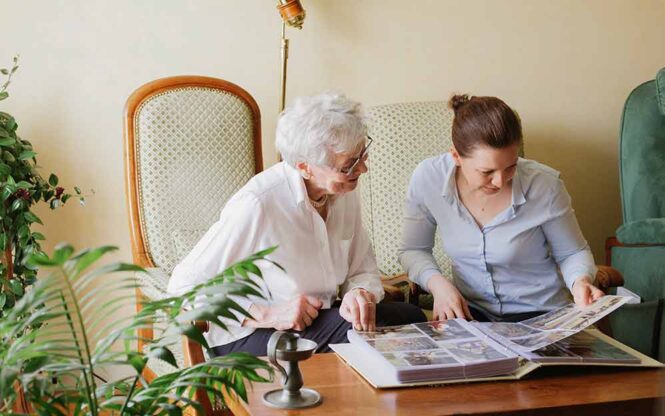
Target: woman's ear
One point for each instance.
(456, 157)
(303, 168)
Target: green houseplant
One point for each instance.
(21, 188)
(60, 345)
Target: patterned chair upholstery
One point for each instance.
(190, 144)
(405, 134)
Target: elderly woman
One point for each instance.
(506, 223)
(307, 207)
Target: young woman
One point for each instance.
(506, 223)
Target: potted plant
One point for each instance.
(55, 363)
(21, 188)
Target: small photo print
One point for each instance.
(549, 319)
(391, 332)
(395, 360)
(403, 344)
(444, 330)
(471, 351)
(592, 348)
(554, 351)
(425, 358)
(537, 341)
(509, 329)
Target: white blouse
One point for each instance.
(321, 258)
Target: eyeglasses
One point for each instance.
(362, 156)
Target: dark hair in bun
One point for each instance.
(483, 121)
(458, 100)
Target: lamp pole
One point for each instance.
(293, 15)
(284, 57)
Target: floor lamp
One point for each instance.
(292, 15)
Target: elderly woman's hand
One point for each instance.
(298, 313)
(584, 292)
(359, 307)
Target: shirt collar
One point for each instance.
(518, 191)
(449, 190)
(296, 183)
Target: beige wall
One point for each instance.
(566, 66)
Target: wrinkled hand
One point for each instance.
(359, 307)
(298, 313)
(448, 301)
(584, 292)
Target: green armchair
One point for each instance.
(638, 250)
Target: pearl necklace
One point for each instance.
(320, 202)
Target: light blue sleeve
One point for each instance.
(564, 236)
(418, 233)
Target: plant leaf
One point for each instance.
(16, 287)
(26, 155)
(29, 216)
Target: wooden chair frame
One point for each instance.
(141, 256)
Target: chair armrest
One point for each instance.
(612, 242)
(647, 231)
(608, 277)
(153, 283)
(393, 293)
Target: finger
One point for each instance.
(448, 313)
(299, 324)
(597, 294)
(435, 314)
(363, 309)
(314, 301)
(354, 315)
(583, 297)
(459, 312)
(307, 320)
(372, 317)
(588, 298)
(467, 311)
(311, 311)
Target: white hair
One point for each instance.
(314, 128)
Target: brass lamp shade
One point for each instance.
(292, 12)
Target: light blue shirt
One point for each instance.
(509, 265)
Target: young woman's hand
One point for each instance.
(584, 292)
(298, 313)
(359, 307)
(448, 301)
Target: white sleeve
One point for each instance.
(363, 272)
(229, 240)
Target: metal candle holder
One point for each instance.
(289, 347)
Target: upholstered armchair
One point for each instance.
(405, 134)
(638, 250)
(190, 143)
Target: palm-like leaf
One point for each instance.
(61, 308)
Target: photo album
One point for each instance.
(458, 350)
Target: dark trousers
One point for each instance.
(328, 328)
(480, 316)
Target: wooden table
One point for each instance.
(547, 391)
